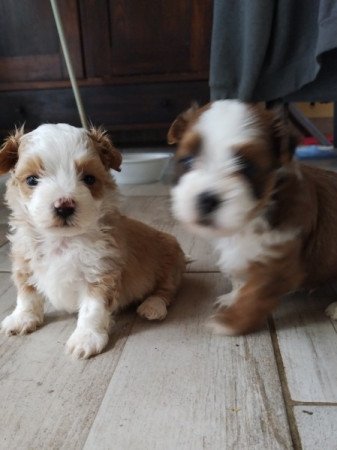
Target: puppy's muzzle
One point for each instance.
(207, 203)
(64, 207)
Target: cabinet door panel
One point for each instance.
(29, 45)
(127, 37)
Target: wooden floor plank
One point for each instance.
(177, 386)
(317, 426)
(5, 264)
(3, 217)
(155, 211)
(308, 343)
(5, 284)
(47, 399)
(3, 233)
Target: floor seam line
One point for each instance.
(293, 429)
(295, 403)
(117, 363)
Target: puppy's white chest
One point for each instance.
(62, 273)
(59, 278)
(238, 251)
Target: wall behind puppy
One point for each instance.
(139, 63)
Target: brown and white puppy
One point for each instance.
(71, 245)
(272, 220)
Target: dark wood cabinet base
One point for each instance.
(126, 109)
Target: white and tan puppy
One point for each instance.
(69, 242)
(271, 219)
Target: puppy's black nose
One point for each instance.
(64, 207)
(207, 202)
(64, 211)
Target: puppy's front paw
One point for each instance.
(220, 327)
(224, 300)
(153, 308)
(331, 311)
(20, 323)
(84, 343)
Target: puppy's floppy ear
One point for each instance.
(285, 140)
(110, 156)
(9, 150)
(179, 126)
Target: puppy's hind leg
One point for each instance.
(331, 311)
(258, 296)
(155, 306)
(246, 312)
(226, 300)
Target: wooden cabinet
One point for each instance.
(29, 45)
(138, 63)
(146, 37)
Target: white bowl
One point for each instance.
(144, 168)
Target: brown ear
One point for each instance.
(110, 156)
(9, 150)
(179, 126)
(285, 139)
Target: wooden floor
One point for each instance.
(172, 385)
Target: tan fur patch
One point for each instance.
(21, 273)
(161, 259)
(184, 122)
(151, 263)
(28, 166)
(110, 156)
(108, 287)
(281, 136)
(189, 145)
(93, 166)
(257, 152)
(9, 151)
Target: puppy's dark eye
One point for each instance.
(89, 180)
(253, 174)
(248, 169)
(32, 180)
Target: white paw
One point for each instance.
(153, 308)
(225, 300)
(20, 323)
(331, 311)
(220, 328)
(84, 343)
(189, 259)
